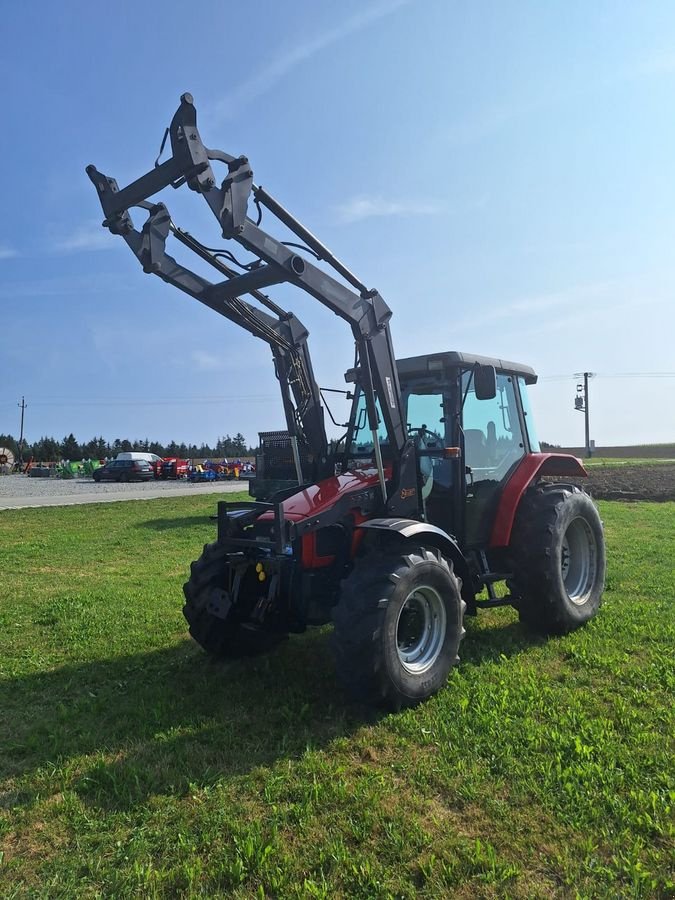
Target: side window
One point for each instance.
(529, 418)
(493, 439)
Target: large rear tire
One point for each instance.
(558, 555)
(223, 637)
(398, 626)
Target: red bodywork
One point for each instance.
(318, 498)
(531, 466)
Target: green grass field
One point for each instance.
(132, 765)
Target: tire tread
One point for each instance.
(533, 542)
(359, 616)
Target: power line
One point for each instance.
(152, 401)
(572, 375)
(639, 375)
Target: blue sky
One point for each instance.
(501, 172)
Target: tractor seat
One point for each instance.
(476, 451)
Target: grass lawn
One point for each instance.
(131, 764)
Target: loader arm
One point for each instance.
(276, 262)
(283, 331)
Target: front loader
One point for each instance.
(436, 492)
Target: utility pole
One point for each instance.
(22, 407)
(581, 403)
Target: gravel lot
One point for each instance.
(18, 490)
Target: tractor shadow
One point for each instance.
(490, 638)
(164, 722)
(158, 722)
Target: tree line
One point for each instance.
(48, 449)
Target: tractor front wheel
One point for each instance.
(224, 637)
(558, 556)
(398, 627)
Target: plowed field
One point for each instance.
(642, 482)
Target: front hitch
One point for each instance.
(235, 518)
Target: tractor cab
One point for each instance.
(447, 408)
(469, 417)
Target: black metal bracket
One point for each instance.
(234, 518)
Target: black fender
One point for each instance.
(430, 536)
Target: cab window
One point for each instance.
(493, 446)
(529, 418)
(493, 439)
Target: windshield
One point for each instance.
(425, 412)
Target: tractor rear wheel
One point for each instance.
(224, 637)
(558, 555)
(398, 627)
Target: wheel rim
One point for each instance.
(579, 560)
(420, 630)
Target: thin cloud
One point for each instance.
(268, 76)
(489, 121)
(538, 309)
(71, 285)
(207, 362)
(581, 296)
(359, 208)
(483, 125)
(7, 252)
(582, 319)
(84, 239)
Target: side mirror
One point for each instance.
(485, 382)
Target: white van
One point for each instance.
(133, 454)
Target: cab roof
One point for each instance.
(453, 359)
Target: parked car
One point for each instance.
(154, 460)
(139, 454)
(125, 470)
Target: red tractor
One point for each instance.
(173, 467)
(436, 491)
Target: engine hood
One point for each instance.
(316, 499)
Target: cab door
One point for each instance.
(429, 414)
(493, 447)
